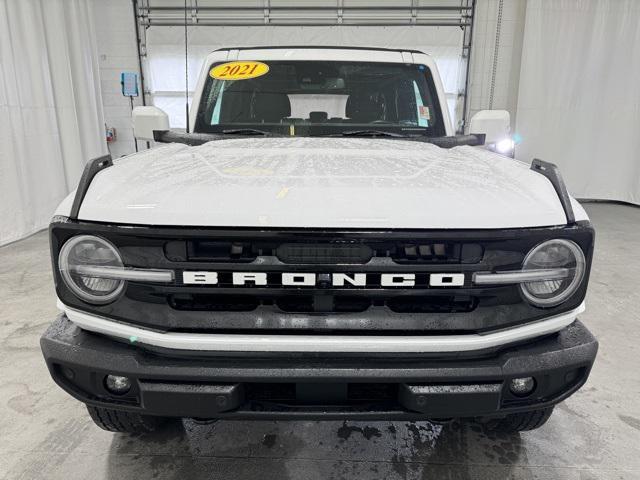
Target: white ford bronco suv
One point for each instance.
(320, 245)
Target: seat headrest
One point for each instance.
(318, 117)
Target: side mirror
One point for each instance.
(495, 124)
(148, 119)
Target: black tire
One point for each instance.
(126, 422)
(523, 421)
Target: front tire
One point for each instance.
(123, 422)
(522, 421)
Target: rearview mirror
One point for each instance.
(148, 119)
(494, 124)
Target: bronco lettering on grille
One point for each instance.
(312, 279)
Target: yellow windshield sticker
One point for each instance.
(239, 70)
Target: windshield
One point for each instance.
(320, 98)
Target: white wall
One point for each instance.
(507, 77)
(117, 52)
(50, 109)
(579, 103)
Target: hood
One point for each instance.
(322, 183)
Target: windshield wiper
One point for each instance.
(249, 131)
(368, 133)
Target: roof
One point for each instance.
(323, 47)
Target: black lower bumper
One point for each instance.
(285, 386)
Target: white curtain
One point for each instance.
(51, 120)
(579, 98)
(165, 47)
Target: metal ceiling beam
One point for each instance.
(295, 23)
(309, 7)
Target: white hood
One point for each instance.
(322, 183)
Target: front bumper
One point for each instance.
(319, 386)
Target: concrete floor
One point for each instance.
(46, 434)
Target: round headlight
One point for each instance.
(554, 254)
(84, 251)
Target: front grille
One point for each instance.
(352, 307)
(272, 257)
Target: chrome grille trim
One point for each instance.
(126, 273)
(520, 276)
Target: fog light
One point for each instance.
(117, 385)
(522, 386)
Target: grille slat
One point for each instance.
(300, 303)
(323, 254)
